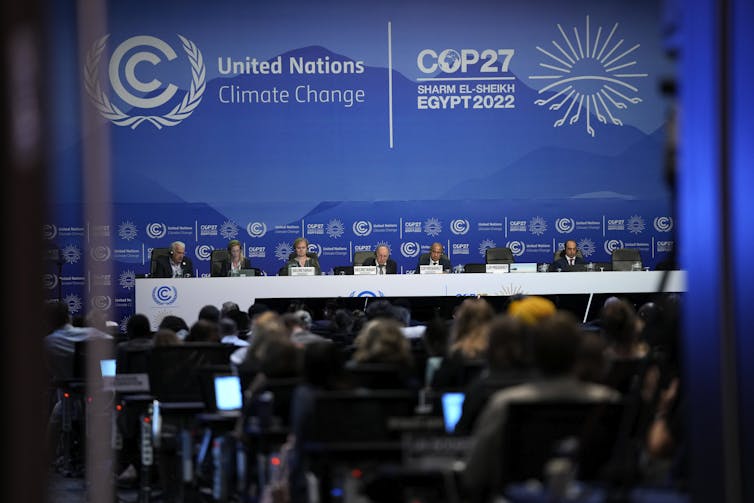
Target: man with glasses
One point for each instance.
(381, 259)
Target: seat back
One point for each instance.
(216, 260)
(499, 255)
(174, 370)
(624, 258)
(157, 253)
(534, 432)
(360, 256)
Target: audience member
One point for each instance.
(435, 341)
(176, 264)
(468, 345)
(531, 309)
(556, 341)
(508, 364)
(435, 257)
(138, 338)
(229, 333)
(210, 313)
(166, 337)
(382, 260)
(301, 257)
(176, 324)
(298, 325)
(203, 331)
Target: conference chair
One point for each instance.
(216, 260)
(624, 258)
(360, 256)
(499, 255)
(585, 431)
(156, 254)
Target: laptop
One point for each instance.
(228, 393)
(452, 408)
(107, 369)
(523, 267)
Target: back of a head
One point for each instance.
(203, 331)
(228, 327)
(241, 319)
(343, 321)
(323, 364)
(436, 337)
(471, 314)
(380, 309)
(508, 346)
(228, 307)
(382, 341)
(281, 358)
(256, 309)
(619, 323)
(556, 344)
(138, 327)
(166, 337)
(209, 313)
(531, 309)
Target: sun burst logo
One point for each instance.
(487, 243)
(127, 279)
(589, 74)
(635, 224)
(127, 230)
(537, 226)
(432, 227)
(74, 303)
(283, 250)
(334, 228)
(71, 254)
(229, 229)
(587, 247)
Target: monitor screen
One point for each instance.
(228, 394)
(452, 407)
(107, 367)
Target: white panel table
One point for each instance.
(158, 297)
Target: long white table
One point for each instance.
(157, 297)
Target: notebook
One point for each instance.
(452, 408)
(228, 393)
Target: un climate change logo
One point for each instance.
(124, 62)
(164, 294)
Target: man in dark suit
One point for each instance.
(382, 260)
(176, 265)
(435, 257)
(568, 258)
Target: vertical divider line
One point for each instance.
(390, 81)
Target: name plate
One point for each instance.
(524, 267)
(430, 269)
(359, 270)
(131, 382)
(497, 268)
(301, 271)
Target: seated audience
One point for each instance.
(556, 341)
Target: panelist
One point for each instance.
(236, 261)
(301, 258)
(434, 257)
(568, 258)
(176, 264)
(381, 259)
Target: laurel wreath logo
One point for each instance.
(114, 114)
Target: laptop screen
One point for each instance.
(228, 394)
(452, 407)
(107, 367)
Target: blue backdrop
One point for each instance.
(477, 124)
